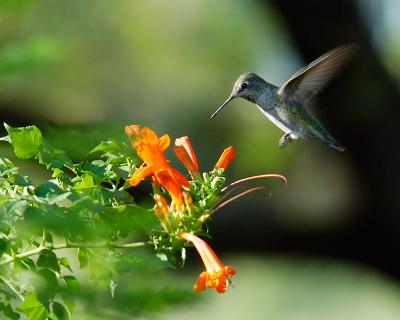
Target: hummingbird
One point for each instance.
(285, 105)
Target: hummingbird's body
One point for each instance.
(292, 118)
(284, 105)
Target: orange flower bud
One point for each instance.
(226, 157)
(184, 152)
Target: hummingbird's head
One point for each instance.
(248, 86)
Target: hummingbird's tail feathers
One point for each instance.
(309, 80)
(334, 144)
(329, 140)
(337, 147)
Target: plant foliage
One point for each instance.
(84, 210)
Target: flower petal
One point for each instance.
(166, 178)
(200, 284)
(163, 142)
(133, 131)
(180, 177)
(141, 173)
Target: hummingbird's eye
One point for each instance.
(244, 85)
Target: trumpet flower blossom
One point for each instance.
(192, 203)
(217, 275)
(150, 149)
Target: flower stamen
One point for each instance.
(261, 176)
(223, 204)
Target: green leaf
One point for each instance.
(83, 257)
(60, 199)
(3, 246)
(4, 227)
(69, 301)
(46, 290)
(96, 168)
(65, 263)
(107, 146)
(6, 139)
(7, 167)
(48, 259)
(128, 218)
(33, 308)
(26, 141)
(60, 312)
(72, 283)
(141, 262)
(50, 277)
(16, 206)
(28, 264)
(22, 181)
(49, 238)
(53, 158)
(86, 182)
(3, 199)
(8, 311)
(48, 187)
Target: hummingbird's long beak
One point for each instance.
(231, 97)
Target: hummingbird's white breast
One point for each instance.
(272, 115)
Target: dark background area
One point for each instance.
(361, 107)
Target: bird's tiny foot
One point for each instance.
(285, 140)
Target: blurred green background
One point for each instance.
(325, 246)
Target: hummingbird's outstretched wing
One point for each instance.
(309, 80)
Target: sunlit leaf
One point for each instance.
(7, 167)
(26, 141)
(65, 263)
(108, 146)
(86, 182)
(33, 308)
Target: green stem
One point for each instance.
(125, 186)
(71, 246)
(8, 283)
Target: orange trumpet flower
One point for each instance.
(184, 152)
(216, 275)
(150, 149)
